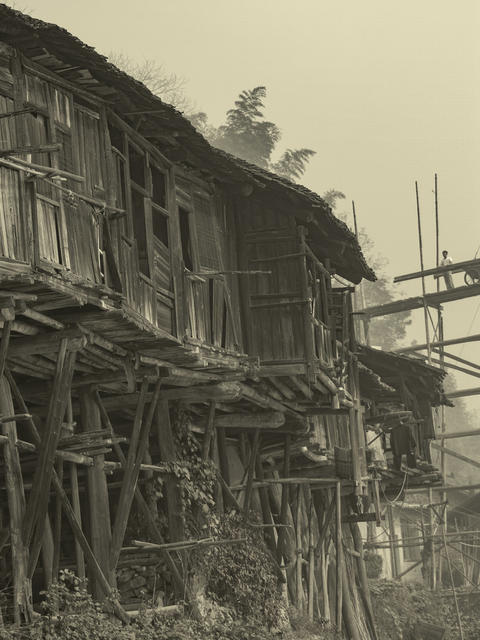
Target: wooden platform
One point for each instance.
(431, 299)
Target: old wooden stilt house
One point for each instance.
(147, 279)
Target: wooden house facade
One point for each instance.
(148, 279)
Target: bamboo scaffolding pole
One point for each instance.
(299, 559)
(457, 609)
(433, 571)
(420, 245)
(339, 557)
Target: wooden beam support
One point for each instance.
(142, 504)
(168, 454)
(441, 343)
(22, 604)
(463, 393)
(339, 557)
(98, 498)
(454, 454)
(455, 267)
(46, 343)
(38, 501)
(136, 453)
(251, 472)
(260, 420)
(87, 550)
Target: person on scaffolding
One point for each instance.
(447, 276)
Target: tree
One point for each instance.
(167, 86)
(385, 332)
(246, 133)
(293, 163)
(249, 136)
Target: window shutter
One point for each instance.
(207, 235)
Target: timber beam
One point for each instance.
(442, 343)
(454, 454)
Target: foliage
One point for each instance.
(166, 85)
(385, 332)
(248, 135)
(197, 477)
(69, 613)
(292, 164)
(241, 575)
(373, 564)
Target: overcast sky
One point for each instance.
(385, 92)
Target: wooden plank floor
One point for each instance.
(432, 300)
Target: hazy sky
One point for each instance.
(386, 93)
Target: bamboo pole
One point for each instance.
(457, 609)
(420, 244)
(433, 569)
(391, 540)
(339, 557)
(311, 561)
(299, 558)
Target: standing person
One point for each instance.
(447, 276)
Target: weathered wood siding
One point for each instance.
(287, 309)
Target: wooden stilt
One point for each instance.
(98, 501)
(22, 605)
(4, 343)
(79, 556)
(168, 453)
(266, 510)
(363, 579)
(339, 556)
(311, 561)
(299, 559)
(284, 504)
(251, 472)
(90, 555)
(38, 501)
(132, 469)
(57, 532)
(142, 506)
(391, 539)
(47, 553)
(207, 439)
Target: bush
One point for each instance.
(241, 575)
(373, 564)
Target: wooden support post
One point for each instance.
(93, 564)
(143, 506)
(251, 472)
(98, 501)
(431, 532)
(22, 605)
(168, 453)
(223, 458)
(5, 341)
(47, 553)
(79, 556)
(266, 510)
(339, 556)
(391, 539)
(420, 244)
(132, 469)
(284, 503)
(37, 506)
(311, 560)
(306, 294)
(207, 439)
(57, 531)
(299, 560)
(363, 579)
